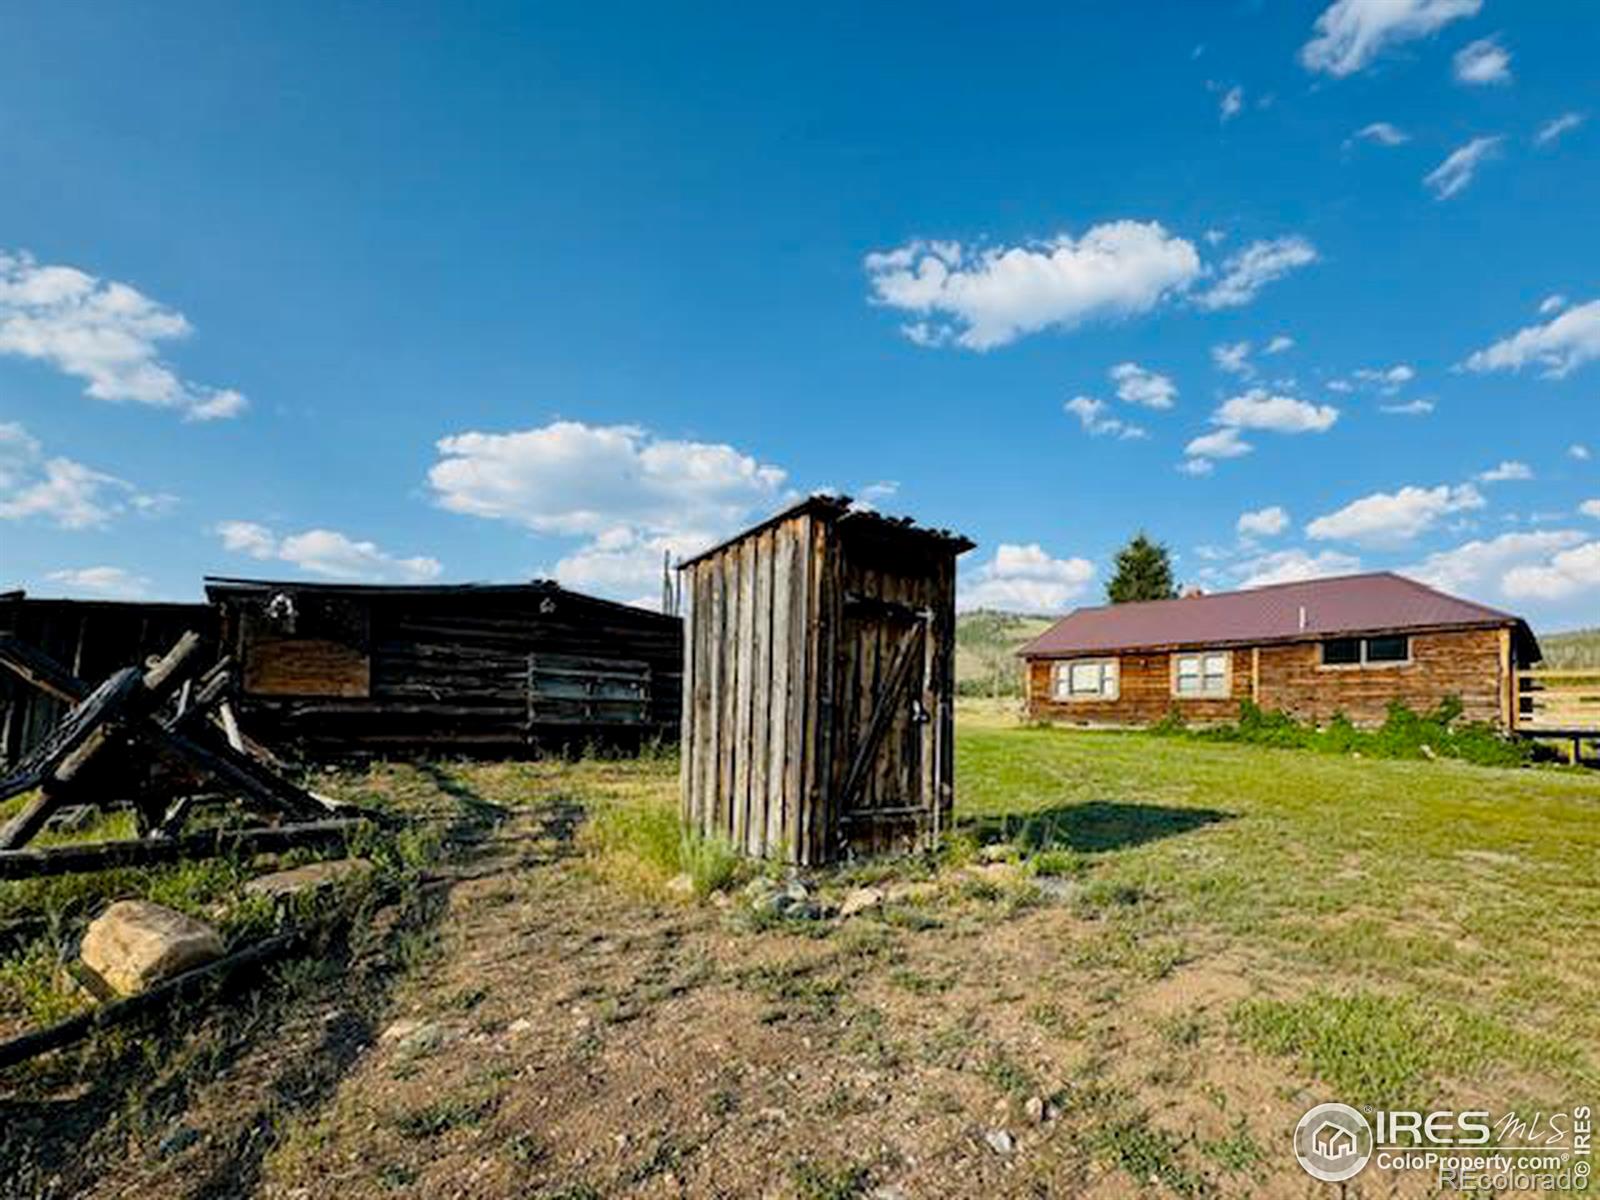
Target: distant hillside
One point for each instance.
(986, 651)
(1581, 648)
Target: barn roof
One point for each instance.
(220, 586)
(844, 512)
(1312, 608)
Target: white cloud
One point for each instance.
(1560, 346)
(1579, 451)
(247, 537)
(1091, 414)
(1551, 130)
(1259, 409)
(114, 583)
(1232, 103)
(1590, 508)
(1137, 385)
(1410, 408)
(868, 496)
(573, 479)
(105, 333)
(625, 562)
(1351, 33)
(1233, 357)
(1482, 562)
(1382, 133)
(1552, 303)
(1025, 579)
(1264, 522)
(1258, 264)
(1508, 471)
(1387, 380)
(61, 491)
(1219, 443)
(986, 297)
(326, 552)
(1459, 168)
(1568, 573)
(1279, 344)
(1483, 61)
(630, 493)
(1392, 519)
(1293, 566)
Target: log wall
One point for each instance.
(91, 638)
(1469, 664)
(501, 672)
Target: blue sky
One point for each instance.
(406, 292)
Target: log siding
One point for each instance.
(1473, 665)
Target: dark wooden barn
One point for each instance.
(93, 638)
(818, 684)
(336, 670)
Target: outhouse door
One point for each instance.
(888, 786)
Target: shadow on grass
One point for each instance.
(1090, 828)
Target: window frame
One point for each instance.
(1366, 663)
(1176, 672)
(1061, 670)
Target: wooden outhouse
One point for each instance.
(818, 682)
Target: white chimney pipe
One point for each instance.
(1302, 618)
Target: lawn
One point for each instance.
(1135, 963)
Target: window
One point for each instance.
(1203, 674)
(1342, 652)
(1087, 679)
(1386, 651)
(1395, 649)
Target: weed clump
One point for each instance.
(1405, 733)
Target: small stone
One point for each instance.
(310, 878)
(861, 900)
(135, 944)
(1000, 1141)
(423, 1038)
(681, 884)
(796, 892)
(1034, 1109)
(1052, 887)
(998, 852)
(520, 1025)
(179, 1140)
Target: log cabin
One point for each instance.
(1313, 649)
(333, 671)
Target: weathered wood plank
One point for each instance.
(761, 695)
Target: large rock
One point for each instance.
(135, 944)
(308, 878)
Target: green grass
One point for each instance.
(1384, 894)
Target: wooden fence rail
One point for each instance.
(1561, 704)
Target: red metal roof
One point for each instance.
(1312, 608)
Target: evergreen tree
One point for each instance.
(1144, 572)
